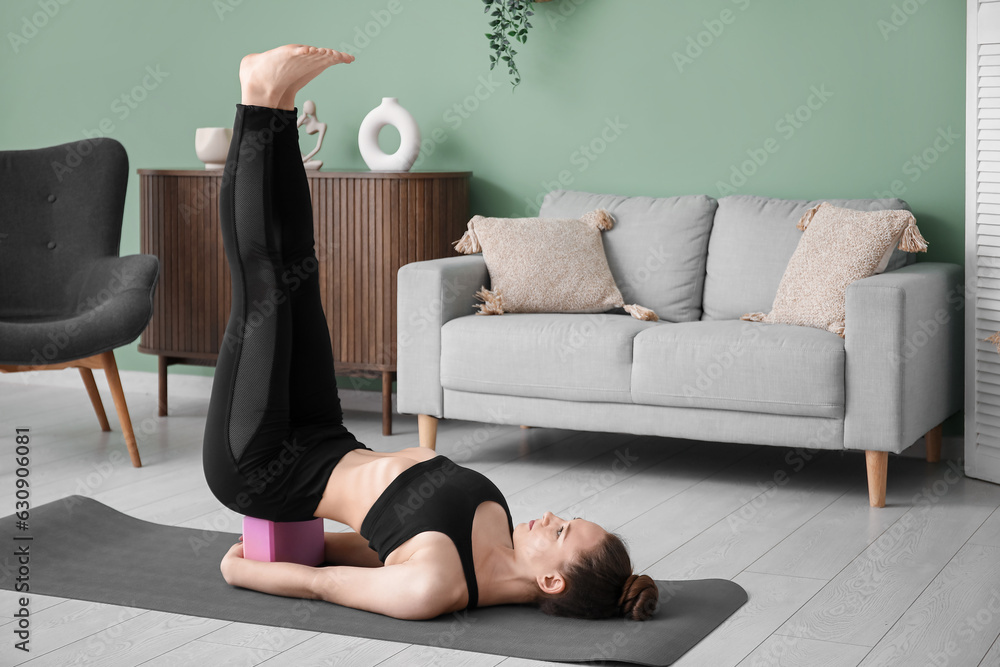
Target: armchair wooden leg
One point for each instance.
(427, 427)
(114, 381)
(878, 463)
(95, 397)
(933, 440)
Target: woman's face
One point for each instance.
(549, 544)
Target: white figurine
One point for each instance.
(312, 127)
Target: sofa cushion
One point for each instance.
(839, 246)
(656, 249)
(546, 265)
(752, 240)
(733, 365)
(576, 357)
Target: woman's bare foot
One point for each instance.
(288, 99)
(271, 78)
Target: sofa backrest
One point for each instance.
(751, 242)
(656, 249)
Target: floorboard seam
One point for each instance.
(700, 481)
(797, 529)
(707, 528)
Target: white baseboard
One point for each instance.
(192, 386)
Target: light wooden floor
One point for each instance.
(831, 581)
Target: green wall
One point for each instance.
(616, 97)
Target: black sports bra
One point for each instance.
(436, 494)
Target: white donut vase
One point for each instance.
(389, 113)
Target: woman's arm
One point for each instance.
(349, 548)
(288, 579)
(414, 590)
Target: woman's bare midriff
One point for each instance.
(360, 477)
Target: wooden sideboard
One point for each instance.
(367, 225)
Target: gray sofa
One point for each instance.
(700, 372)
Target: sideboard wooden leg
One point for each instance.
(933, 440)
(427, 428)
(878, 464)
(386, 402)
(163, 385)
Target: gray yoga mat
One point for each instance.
(85, 550)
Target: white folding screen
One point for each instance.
(982, 224)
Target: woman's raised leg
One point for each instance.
(249, 429)
(313, 400)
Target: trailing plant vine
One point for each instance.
(510, 22)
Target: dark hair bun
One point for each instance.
(640, 597)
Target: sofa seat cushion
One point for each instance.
(734, 365)
(570, 356)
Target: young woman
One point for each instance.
(431, 536)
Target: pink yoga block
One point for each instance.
(286, 541)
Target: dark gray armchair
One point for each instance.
(66, 298)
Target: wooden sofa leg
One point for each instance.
(933, 440)
(427, 428)
(878, 463)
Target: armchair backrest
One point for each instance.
(60, 208)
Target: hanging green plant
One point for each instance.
(510, 23)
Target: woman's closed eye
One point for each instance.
(559, 532)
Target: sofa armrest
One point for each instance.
(903, 343)
(428, 295)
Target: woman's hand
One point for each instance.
(233, 563)
(277, 578)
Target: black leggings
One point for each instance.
(275, 427)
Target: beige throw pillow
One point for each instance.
(838, 246)
(544, 265)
